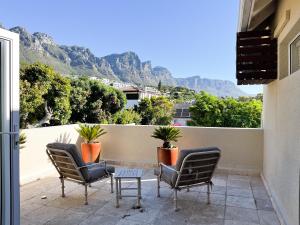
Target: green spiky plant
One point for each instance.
(90, 132)
(22, 140)
(166, 134)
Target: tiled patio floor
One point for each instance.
(235, 200)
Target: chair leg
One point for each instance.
(208, 193)
(111, 184)
(158, 187)
(86, 194)
(62, 187)
(175, 200)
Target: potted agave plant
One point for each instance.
(90, 148)
(167, 153)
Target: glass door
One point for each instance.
(9, 128)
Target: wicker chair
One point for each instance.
(69, 165)
(194, 167)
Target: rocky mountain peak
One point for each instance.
(126, 67)
(25, 37)
(44, 38)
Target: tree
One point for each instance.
(144, 108)
(127, 116)
(48, 96)
(94, 102)
(159, 85)
(41, 86)
(207, 110)
(179, 94)
(78, 99)
(210, 111)
(156, 111)
(259, 96)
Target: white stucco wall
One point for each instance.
(242, 149)
(34, 162)
(282, 144)
(282, 123)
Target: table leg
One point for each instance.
(120, 188)
(117, 193)
(139, 192)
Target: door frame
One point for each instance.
(10, 200)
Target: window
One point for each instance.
(295, 55)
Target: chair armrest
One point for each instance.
(161, 165)
(169, 167)
(102, 162)
(91, 165)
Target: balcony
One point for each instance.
(238, 195)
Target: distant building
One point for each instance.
(182, 114)
(105, 81)
(94, 78)
(135, 94)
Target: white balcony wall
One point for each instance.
(242, 149)
(282, 145)
(282, 122)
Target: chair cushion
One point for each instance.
(168, 175)
(109, 169)
(70, 148)
(95, 173)
(73, 151)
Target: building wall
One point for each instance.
(242, 149)
(131, 103)
(181, 121)
(282, 123)
(34, 162)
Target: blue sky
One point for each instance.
(191, 37)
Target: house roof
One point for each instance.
(130, 89)
(253, 13)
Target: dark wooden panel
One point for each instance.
(254, 34)
(256, 49)
(256, 66)
(251, 82)
(254, 42)
(256, 59)
(256, 76)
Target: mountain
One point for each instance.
(125, 67)
(218, 87)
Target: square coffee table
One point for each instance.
(134, 174)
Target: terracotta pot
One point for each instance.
(167, 156)
(90, 151)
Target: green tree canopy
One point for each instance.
(127, 116)
(211, 111)
(94, 102)
(156, 111)
(179, 94)
(40, 85)
(207, 110)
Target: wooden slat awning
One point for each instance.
(256, 61)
